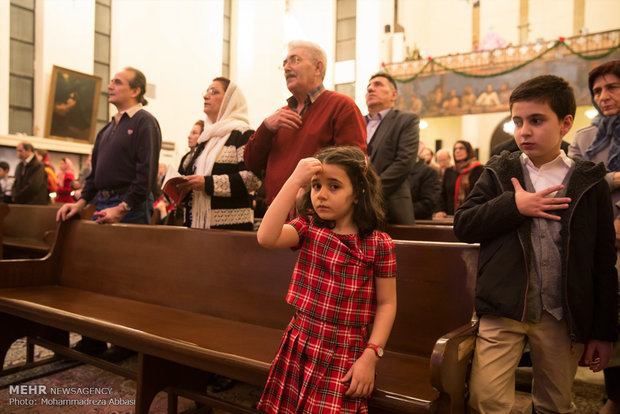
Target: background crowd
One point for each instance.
(232, 171)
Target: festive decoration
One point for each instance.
(550, 46)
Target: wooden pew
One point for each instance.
(4, 210)
(190, 301)
(446, 221)
(422, 232)
(28, 230)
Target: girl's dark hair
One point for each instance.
(470, 150)
(201, 124)
(368, 212)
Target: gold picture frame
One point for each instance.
(73, 105)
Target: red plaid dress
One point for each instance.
(333, 291)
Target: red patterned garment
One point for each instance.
(333, 291)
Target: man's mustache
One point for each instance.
(289, 75)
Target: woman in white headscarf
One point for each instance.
(221, 182)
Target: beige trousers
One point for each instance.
(499, 347)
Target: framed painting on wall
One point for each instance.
(73, 104)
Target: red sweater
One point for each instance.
(333, 119)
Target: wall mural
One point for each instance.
(448, 86)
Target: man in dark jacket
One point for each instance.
(546, 264)
(393, 139)
(425, 189)
(30, 186)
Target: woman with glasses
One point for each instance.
(216, 173)
(459, 180)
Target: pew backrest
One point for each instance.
(4, 210)
(28, 230)
(422, 232)
(446, 221)
(227, 274)
(220, 273)
(33, 221)
(436, 288)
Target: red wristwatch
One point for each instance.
(378, 350)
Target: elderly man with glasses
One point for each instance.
(313, 118)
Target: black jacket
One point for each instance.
(392, 151)
(30, 186)
(445, 202)
(490, 217)
(424, 186)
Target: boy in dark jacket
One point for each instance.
(546, 271)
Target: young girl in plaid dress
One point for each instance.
(342, 282)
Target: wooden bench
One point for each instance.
(422, 232)
(28, 231)
(4, 210)
(446, 221)
(190, 301)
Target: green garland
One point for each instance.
(519, 66)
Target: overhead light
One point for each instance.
(423, 124)
(509, 127)
(591, 113)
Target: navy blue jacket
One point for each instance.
(126, 157)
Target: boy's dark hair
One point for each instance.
(549, 89)
(386, 76)
(368, 212)
(4, 165)
(138, 81)
(606, 68)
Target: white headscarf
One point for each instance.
(233, 115)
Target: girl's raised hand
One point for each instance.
(305, 170)
(273, 232)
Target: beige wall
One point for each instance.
(177, 43)
(64, 36)
(4, 66)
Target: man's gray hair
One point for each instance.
(316, 52)
(444, 151)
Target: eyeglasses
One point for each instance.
(211, 91)
(293, 60)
